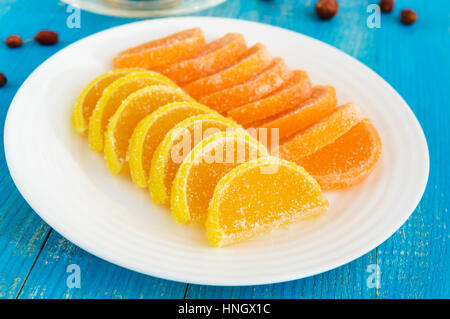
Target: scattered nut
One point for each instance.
(326, 9)
(386, 5)
(14, 41)
(46, 37)
(408, 16)
(3, 79)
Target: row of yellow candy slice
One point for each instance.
(139, 119)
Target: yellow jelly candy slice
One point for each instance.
(135, 107)
(151, 131)
(176, 145)
(251, 200)
(200, 171)
(90, 95)
(113, 95)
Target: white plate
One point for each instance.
(70, 187)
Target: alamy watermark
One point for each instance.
(374, 279)
(73, 21)
(74, 279)
(374, 19)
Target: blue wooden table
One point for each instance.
(415, 60)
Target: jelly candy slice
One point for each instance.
(321, 104)
(346, 161)
(200, 171)
(176, 145)
(322, 133)
(214, 57)
(248, 201)
(254, 89)
(256, 59)
(296, 90)
(167, 50)
(150, 132)
(129, 114)
(111, 99)
(90, 95)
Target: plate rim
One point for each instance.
(18, 179)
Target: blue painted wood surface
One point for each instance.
(414, 262)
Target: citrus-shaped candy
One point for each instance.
(112, 97)
(150, 132)
(90, 95)
(296, 90)
(321, 104)
(135, 107)
(214, 57)
(346, 161)
(255, 60)
(167, 50)
(249, 201)
(322, 133)
(176, 145)
(254, 89)
(200, 171)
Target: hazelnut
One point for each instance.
(386, 5)
(3, 79)
(13, 41)
(408, 16)
(326, 9)
(46, 37)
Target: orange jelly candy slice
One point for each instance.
(322, 133)
(321, 104)
(215, 56)
(259, 196)
(255, 60)
(167, 50)
(200, 171)
(346, 161)
(293, 92)
(256, 88)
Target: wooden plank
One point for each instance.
(22, 233)
(349, 281)
(98, 278)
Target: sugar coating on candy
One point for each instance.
(254, 89)
(296, 90)
(167, 50)
(151, 131)
(254, 61)
(247, 201)
(346, 161)
(199, 173)
(113, 95)
(129, 114)
(322, 133)
(320, 105)
(214, 57)
(176, 145)
(90, 95)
